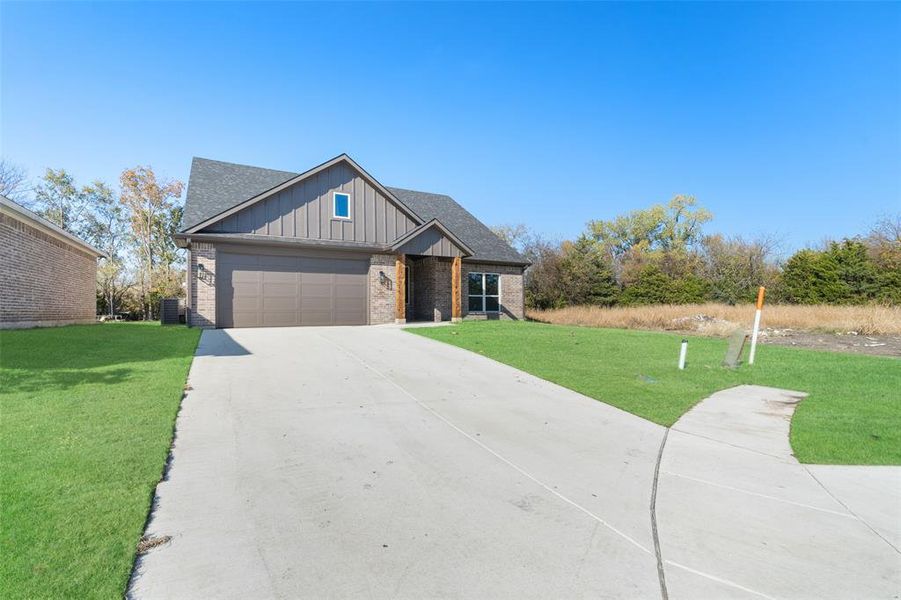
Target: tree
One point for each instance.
(13, 181)
(672, 227)
(152, 210)
(58, 200)
(106, 227)
(843, 273)
(585, 275)
(736, 267)
(672, 230)
(518, 236)
(542, 278)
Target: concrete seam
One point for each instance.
(660, 572)
(492, 452)
(758, 494)
(719, 580)
(847, 508)
(704, 437)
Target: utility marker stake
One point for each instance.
(760, 294)
(682, 352)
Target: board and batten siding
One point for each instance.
(304, 210)
(431, 242)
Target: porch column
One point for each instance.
(456, 291)
(400, 276)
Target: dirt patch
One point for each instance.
(877, 345)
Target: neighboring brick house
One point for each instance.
(333, 246)
(47, 275)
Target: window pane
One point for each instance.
(491, 280)
(491, 304)
(475, 304)
(475, 285)
(342, 205)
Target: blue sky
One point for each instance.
(780, 118)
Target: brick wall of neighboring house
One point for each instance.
(512, 299)
(432, 289)
(381, 291)
(43, 280)
(203, 285)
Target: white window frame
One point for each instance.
(483, 296)
(335, 214)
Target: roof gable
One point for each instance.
(257, 180)
(485, 245)
(432, 239)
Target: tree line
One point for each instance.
(133, 224)
(662, 255)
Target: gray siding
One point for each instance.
(431, 242)
(304, 210)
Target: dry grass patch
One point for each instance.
(720, 319)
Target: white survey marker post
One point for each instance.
(760, 294)
(682, 352)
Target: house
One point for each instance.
(47, 275)
(333, 246)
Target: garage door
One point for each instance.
(276, 291)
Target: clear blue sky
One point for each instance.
(782, 118)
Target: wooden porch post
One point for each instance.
(400, 275)
(456, 292)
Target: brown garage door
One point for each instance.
(275, 291)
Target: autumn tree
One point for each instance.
(154, 215)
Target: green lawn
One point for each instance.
(852, 416)
(86, 419)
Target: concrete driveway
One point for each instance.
(369, 462)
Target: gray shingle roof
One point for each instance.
(215, 186)
(476, 235)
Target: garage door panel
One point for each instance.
(280, 290)
(284, 303)
(273, 291)
(245, 319)
(317, 317)
(243, 276)
(279, 278)
(280, 319)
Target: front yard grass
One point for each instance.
(86, 419)
(852, 415)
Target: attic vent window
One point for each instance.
(341, 205)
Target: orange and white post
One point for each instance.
(760, 294)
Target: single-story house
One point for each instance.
(333, 246)
(47, 275)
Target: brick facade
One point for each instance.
(512, 299)
(43, 280)
(202, 310)
(432, 289)
(381, 288)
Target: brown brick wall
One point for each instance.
(381, 295)
(432, 289)
(43, 280)
(512, 299)
(203, 288)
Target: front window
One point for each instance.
(484, 292)
(341, 206)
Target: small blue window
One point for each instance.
(342, 206)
